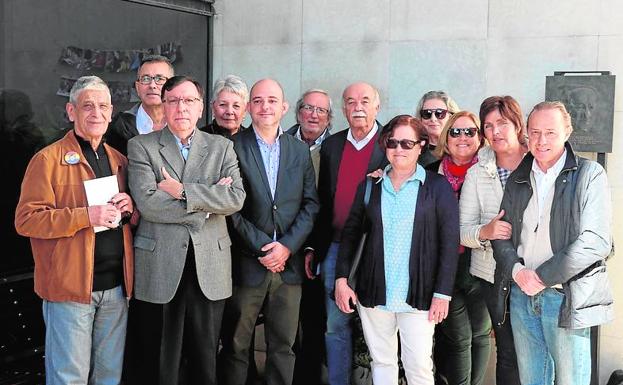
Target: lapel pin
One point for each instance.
(72, 157)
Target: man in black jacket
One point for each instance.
(148, 115)
(270, 230)
(345, 159)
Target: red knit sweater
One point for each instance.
(352, 171)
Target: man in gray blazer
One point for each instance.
(185, 183)
(271, 228)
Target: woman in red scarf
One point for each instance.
(462, 343)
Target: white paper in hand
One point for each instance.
(99, 192)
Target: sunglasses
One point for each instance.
(439, 113)
(470, 132)
(405, 144)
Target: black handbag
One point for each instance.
(352, 275)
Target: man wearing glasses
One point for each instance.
(345, 160)
(186, 182)
(314, 111)
(148, 115)
(313, 122)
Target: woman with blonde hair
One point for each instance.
(462, 343)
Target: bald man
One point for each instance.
(276, 219)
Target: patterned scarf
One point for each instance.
(455, 174)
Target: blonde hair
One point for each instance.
(442, 143)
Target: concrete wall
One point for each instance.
(472, 49)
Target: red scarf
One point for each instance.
(455, 174)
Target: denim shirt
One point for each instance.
(398, 213)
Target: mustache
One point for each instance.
(358, 114)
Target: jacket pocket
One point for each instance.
(141, 242)
(224, 243)
(591, 288)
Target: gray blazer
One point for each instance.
(167, 225)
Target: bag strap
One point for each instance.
(368, 191)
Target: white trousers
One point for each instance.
(380, 329)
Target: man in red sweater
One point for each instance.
(345, 159)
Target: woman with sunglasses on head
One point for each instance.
(407, 269)
(503, 127)
(462, 343)
(434, 109)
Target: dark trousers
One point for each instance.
(309, 347)
(462, 341)
(280, 303)
(506, 371)
(189, 325)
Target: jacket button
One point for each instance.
(184, 246)
(275, 208)
(499, 324)
(504, 289)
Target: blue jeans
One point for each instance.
(84, 342)
(544, 351)
(338, 338)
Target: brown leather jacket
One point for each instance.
(52, 211)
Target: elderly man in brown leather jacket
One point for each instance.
(83, 274)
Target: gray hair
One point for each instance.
(156, 59)
(233, 84)
(451, 105)
(377, 96)
(299, 103)
(86, 83)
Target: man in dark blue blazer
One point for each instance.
(277, 216)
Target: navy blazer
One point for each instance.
(330, 159)
(434, 245)
(290, 214)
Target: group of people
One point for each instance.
(473, 223)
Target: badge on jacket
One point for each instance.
(72, 157)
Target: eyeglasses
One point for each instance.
(405, 144)
(146, 79)
(470, 132)
(308, 108)
(439, 113)
(188, 102)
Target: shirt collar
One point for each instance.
(144, 123)
(419, 174)
(259, 138)
(190, 140)
(317, 142)
(555, 169)
(363, 142)
(86, 145)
